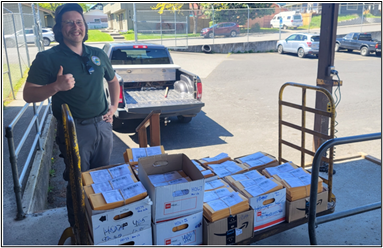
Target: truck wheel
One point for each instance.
(364, 51)
(46, 42)
(284, 27)
(280, 49)
(184, 119)
(233, 33)
(379, 54)
(211, 35)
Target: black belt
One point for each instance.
(88, 121)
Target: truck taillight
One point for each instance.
(140, 46)
(120, 100)
(308, 43)
(376, 45)
(199, 90)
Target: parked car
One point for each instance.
(362, 42)
(290, 19)
(300, 43)
(224, 28)
(48, 37)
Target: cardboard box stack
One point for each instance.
(177, 201)
(227, 217)
(132, 155)
(266, 196)
(258, 161)
(297, 182)
(113, 199)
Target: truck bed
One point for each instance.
(138, 101)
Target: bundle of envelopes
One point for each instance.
(214, 160)
(206, 173)
(221, 201)
(226, 168)
(258, 161)
(297, 183)
(270, 171)
(132, 155)
(253, 184)
(169, 178)
(112, 186)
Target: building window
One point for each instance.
(97, 20)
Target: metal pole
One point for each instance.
(135, 21)
(315, 174)
(9, 71)
(13, 160)
(361, 25)
(280, 24)
(39, 145)
(347, 213)
(175, 26)
(161, 27)
(17, 45)
(187, 31)
(25, 38)
(248, 22)
(213, 24)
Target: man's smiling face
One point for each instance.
(73, 28)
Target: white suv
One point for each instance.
(48, 37)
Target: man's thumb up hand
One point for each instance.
(60, 73)
(64, 82)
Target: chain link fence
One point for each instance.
(177, 29)
(20, 28)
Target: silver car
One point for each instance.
(48, 37)
(300, 43)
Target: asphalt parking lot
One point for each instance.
(241, 91)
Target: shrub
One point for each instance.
(255, 28)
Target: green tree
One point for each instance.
(52, 7)
(167, 6)
(236, 12)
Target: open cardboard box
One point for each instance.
(176, 200)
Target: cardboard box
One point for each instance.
(298, 209)
(115, 223)
(230, 230)
(128, 156)
(172, 201)
(270, 214)
(186, 230)
(143, 237)
(259, 168)
(87, 178)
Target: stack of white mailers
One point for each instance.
(114, 187)
(206, 173)
(258, 161)
(286, 167)
(226, 168)
(169, 178)
(221, 201)
(297, 183)
(216, 159)
(253, 184)
(137, 153)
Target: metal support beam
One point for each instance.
(326, 55)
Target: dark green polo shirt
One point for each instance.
(87, 98)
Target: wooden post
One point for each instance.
(329, 24)
(152, 120)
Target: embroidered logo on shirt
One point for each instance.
(96, 60)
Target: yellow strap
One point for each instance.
(68, 233)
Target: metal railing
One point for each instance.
(14, 152)
(314, 184)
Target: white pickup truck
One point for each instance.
(149, 81)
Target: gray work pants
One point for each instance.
(95, 142)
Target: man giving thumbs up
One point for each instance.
(73, 73)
